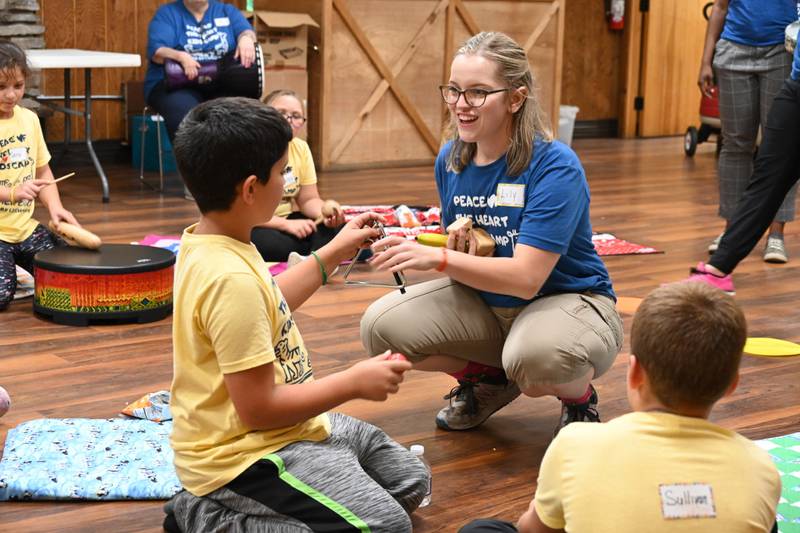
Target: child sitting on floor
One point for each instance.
(293, 226)
(664, 467)
(24, 176)
(254, 447)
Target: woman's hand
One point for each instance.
(356, 234)
(299, 227)
(245, 50)
(462, 241)
(706, 79)
(58, 215)
(190, 66)
(398, 253)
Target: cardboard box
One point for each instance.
(286, 78)
(283, 37)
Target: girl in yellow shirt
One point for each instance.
(292, 227)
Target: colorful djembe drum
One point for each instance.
(118, 282)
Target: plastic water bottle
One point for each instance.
(419, 451)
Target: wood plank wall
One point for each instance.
(108, 25)
(592, 66)
(591, 72)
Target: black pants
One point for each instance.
(21, 253)
(488, 526)
(275, 245)
(174, 105)
(776, 169)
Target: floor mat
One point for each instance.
(88, 459)
(785, 453)
(608, 244)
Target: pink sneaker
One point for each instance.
(699, 273)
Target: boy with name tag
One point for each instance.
(664, 467)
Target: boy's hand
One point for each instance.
(356, 234)
(29, 190)
(377, 377)
(299, 227)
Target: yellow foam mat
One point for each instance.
(769, 347)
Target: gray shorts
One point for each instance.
(358, 479)
(553, 340)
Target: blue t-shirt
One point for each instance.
(546, 206)
(758, 22)
(173, 26)
(796, 63)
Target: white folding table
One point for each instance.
(67, 59)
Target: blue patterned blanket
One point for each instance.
(88, 459)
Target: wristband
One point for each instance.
(443, 264)
(321, 268)
(13, 191)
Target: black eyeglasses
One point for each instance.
(295, 119)
(473, 97)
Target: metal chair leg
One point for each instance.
(146, 118)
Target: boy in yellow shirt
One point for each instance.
(254, 447)
(664, 467)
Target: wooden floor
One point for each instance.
(644, 191)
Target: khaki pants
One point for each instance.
(553, 340)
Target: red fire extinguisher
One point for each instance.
(615, 12)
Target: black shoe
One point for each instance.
(580, 412)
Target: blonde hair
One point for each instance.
(528, 122)
(274, 95)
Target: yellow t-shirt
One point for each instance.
(229, 316)
(302, 173)
(656, 472)
(22, 151)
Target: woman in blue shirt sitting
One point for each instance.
(187, 32)
(538, 317)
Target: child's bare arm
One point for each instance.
(298, 283)
(51, 199)
(529, 522)
(261, 404)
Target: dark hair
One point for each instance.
(223, 141)
(689, 339)
(11, 57)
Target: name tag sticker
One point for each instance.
(18, 154)
(222, 22)
(687, 500)
(510, 194)
(289, 178)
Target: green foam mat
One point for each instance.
(785, 453)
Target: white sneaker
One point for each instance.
(295, 258)
(775, 251)
(715, 244)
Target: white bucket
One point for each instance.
(566, 123)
